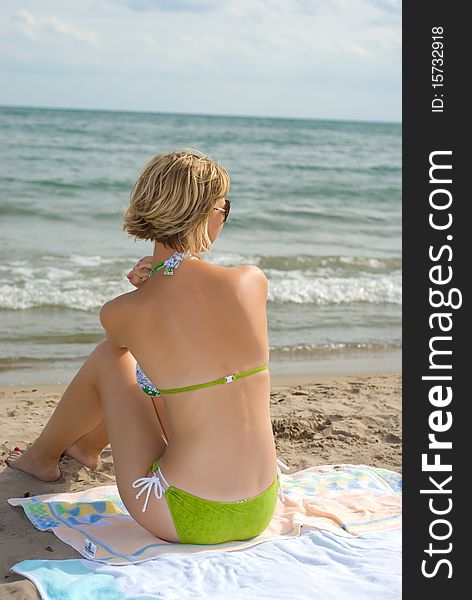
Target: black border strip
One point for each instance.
(435, 389)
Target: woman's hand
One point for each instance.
(140, 272)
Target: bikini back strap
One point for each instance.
(226, 379)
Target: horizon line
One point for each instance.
(157, 112)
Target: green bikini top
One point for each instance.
(146, 384)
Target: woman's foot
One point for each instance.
(24, 460)
(84, 457)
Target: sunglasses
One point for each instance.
(225, 209)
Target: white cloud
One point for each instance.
(202, 52)
(169, 5)
(36, 28)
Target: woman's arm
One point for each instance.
(113, 316)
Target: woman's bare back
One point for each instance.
(203, 322)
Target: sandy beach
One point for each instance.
(324, 419)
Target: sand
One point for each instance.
(324, 419)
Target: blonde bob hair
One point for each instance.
(173, 199)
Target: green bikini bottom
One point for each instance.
(201, 521)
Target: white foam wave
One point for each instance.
(37, 294)
(295, 286)
(78, 282)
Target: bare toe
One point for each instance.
(12, 457)
(23, 460)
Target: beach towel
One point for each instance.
(317, 564)
(343, 499)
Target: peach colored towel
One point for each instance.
(348, 500)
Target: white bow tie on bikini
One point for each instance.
(148, 484)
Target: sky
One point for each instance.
(320, 59)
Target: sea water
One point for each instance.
(315, 204)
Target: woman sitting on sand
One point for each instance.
(195, 460)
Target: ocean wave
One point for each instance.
(376, 289)
(80, 282)
(25, 210)
(338, 264)
(91, 294)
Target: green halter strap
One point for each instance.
(226, 379)
(158, 266)
(171, 263)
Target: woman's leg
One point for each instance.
(88, 448)
(105, 388)
(136, 437)
(77, 423)
(78, 413)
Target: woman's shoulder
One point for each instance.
(248, 282)
(254, 279)
(238, 274)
